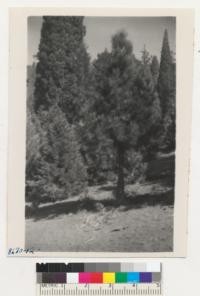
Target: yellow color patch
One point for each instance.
(109, 278)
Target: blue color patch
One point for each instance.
(133, 277)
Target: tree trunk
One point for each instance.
(120, 181)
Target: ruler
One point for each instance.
(99, 289)
(99, 279)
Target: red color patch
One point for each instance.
(96, 277)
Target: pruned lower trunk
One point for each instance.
(120, 168)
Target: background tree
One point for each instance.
(65, 169)
(125, 100)
(155, 69)
(150, 111)
(167, 93)
(55, 168)
(62, 67)
(35, 141)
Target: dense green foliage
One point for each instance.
(89, 123)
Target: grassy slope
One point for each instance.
(144, 223)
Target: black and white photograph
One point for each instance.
(99, 148)
(101, 134)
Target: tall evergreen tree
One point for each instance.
(55, 167)
(63, 65)
(124, 106)
(167, 93)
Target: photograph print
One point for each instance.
(100, 134)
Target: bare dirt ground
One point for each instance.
(143, 223)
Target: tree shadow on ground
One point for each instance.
(90, 205)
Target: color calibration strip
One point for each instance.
(96, 279)
(98, 273)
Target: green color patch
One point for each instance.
(121, 277)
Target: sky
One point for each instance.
(141, 31)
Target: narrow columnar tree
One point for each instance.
(167, 93)
(63, 65)
(59, 95)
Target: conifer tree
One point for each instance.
(167, 93)
(62, 67)
(125, 104)
(59, 95)
(147, 88)
(64, 167)
(55, 168)
(155, 69)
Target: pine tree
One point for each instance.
(167, 93)
(125, 104)
(63, 65)
(96, 148)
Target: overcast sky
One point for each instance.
(141, 31)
